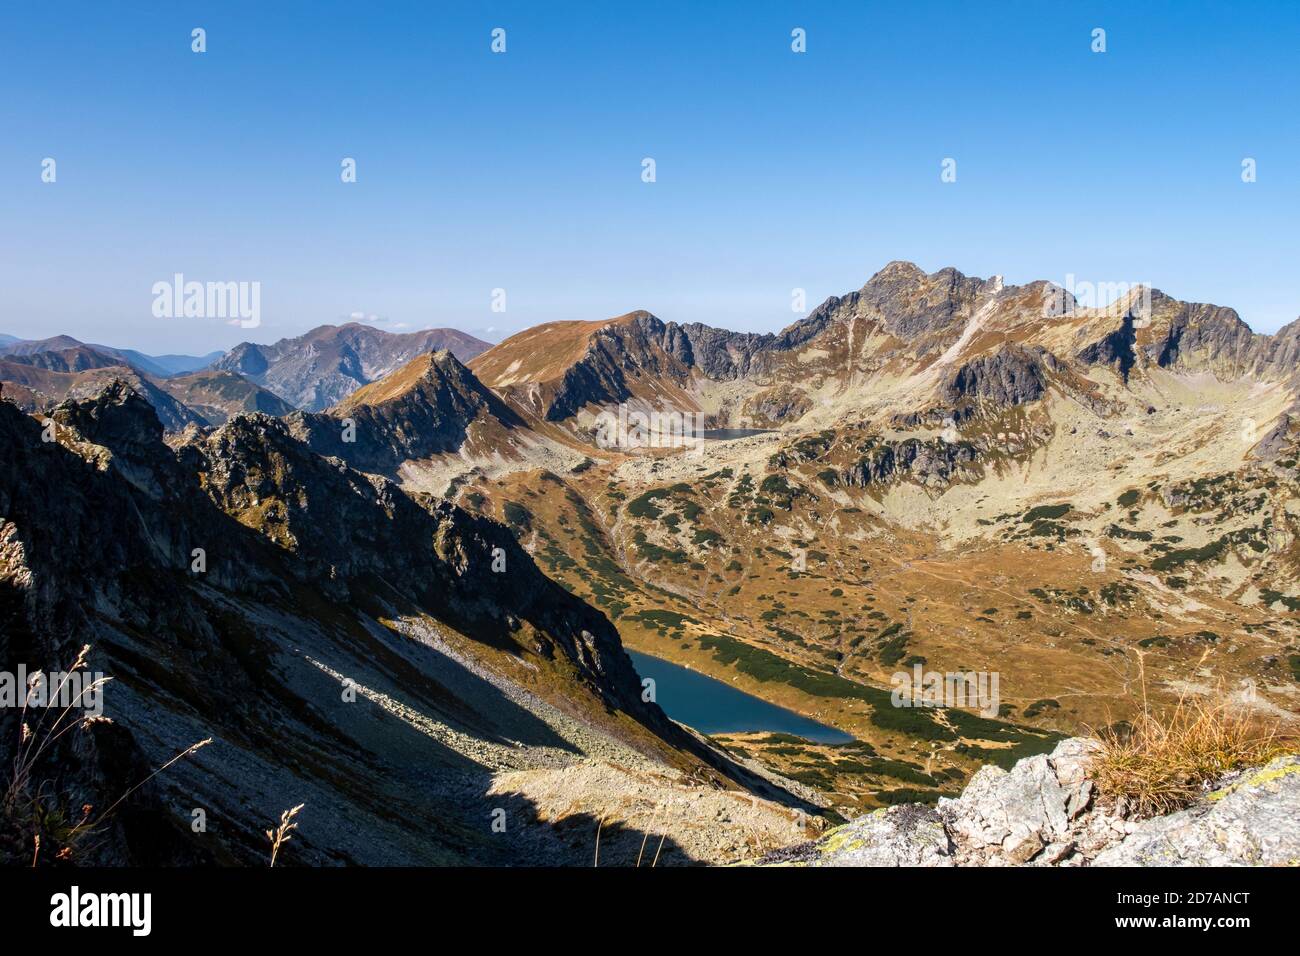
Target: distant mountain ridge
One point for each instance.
(324, 366)
(914, 332)
(314, 370)
(160, 365)
(35, 388)
(38, 379)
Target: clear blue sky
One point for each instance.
(522, 171)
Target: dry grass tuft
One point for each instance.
(27, 801)
(1164, 760)
(284, 832)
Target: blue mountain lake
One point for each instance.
(727, 434)
(713, 707)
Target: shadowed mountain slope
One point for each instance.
(382, 659)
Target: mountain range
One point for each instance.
(160, 365)
(206, 390)
(421, 561)
(324, 366)
(935, 469)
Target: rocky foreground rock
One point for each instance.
(1046, 811)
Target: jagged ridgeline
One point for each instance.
(934, 470)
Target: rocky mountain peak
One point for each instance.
(911, 303)
(117, 418)
(120, 421)
(427, 407)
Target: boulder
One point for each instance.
(1044, 812)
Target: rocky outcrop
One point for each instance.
(912, 304)
(1193, 335)
(1033, 812)
(1114, 349)
(901, 298)
(1279, 352)
(1249, 820)
(722, 355)
(931, 463)
(1167, 333)
(774, 406)
(1010, 376)
(1045, 811)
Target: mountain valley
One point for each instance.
(934, 473)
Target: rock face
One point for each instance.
(932, 463)
(913, 304)
(617, 358)
(1034, 812)
(722, 355)
(1008, 377)
(324, 366)
(1045, 812)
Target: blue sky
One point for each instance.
(522, 171)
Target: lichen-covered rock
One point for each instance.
(1044, 812)
(1252, 821)
(932, 463)
(907, 835)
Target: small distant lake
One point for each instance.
(713, 707)
(726, 434)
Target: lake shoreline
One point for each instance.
(712, 706)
